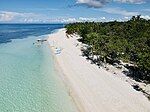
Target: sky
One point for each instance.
(67, 11)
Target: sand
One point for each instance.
(93, 89)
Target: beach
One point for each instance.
(93, 89)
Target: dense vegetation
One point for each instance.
(114, 41)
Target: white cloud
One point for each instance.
(100, 3)
(16, 17)
(68, 20)
(131, 1)
(80, 19)
(64, 20)
(145, 17)
(99, 19)
(7, 16)
(120, 12)
(103, 18)
(87, 19)
(126, 18)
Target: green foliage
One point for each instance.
(128, 41)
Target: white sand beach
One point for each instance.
(93, 89)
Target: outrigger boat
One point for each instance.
(39, 42)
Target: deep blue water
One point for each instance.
(19, 31)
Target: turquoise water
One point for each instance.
(28, 82)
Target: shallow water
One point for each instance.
(28, 82)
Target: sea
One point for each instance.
(28, 79)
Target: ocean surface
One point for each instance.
(28, 81)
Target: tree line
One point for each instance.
(111, 42)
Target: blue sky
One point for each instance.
(62, 11)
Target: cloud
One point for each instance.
(119, 11)
(79, 19)
(101, 3)
(131, 1)
(127, 18)
(145, 17)
(93, 3)
(44, 9)
(7, 16)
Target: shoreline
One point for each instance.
(91, 93)
(70, 91)
(65, 81)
